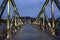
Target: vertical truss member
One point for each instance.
(53, 23)
(3, 5)
(47, 18)
(8, 21)
(57, 3)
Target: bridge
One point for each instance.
(26, 28)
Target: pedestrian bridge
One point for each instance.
(18, 28)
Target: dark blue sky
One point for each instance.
(31, 8)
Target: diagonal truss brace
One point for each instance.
(3, 5)
(44, 12)
(15, 8)
(57, 3)
(43, 8)
(47, 18)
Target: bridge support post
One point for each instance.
(53, 25)
(8, 21)
(39, 23)
(15, 22)
(43, 25)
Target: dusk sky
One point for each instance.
(31, 8)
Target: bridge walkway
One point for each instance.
(28, 32)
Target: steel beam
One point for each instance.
(42, 12)
(8, 20)
(53, 23)
(43, 8)
(0, 9)
(57, 3)
(16, 11)
(43, 24)
(47, 18)
(3, 5)
(52, 9)
(15, 19)
(15, 8)
(8, 9)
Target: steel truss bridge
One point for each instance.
(17, 22)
